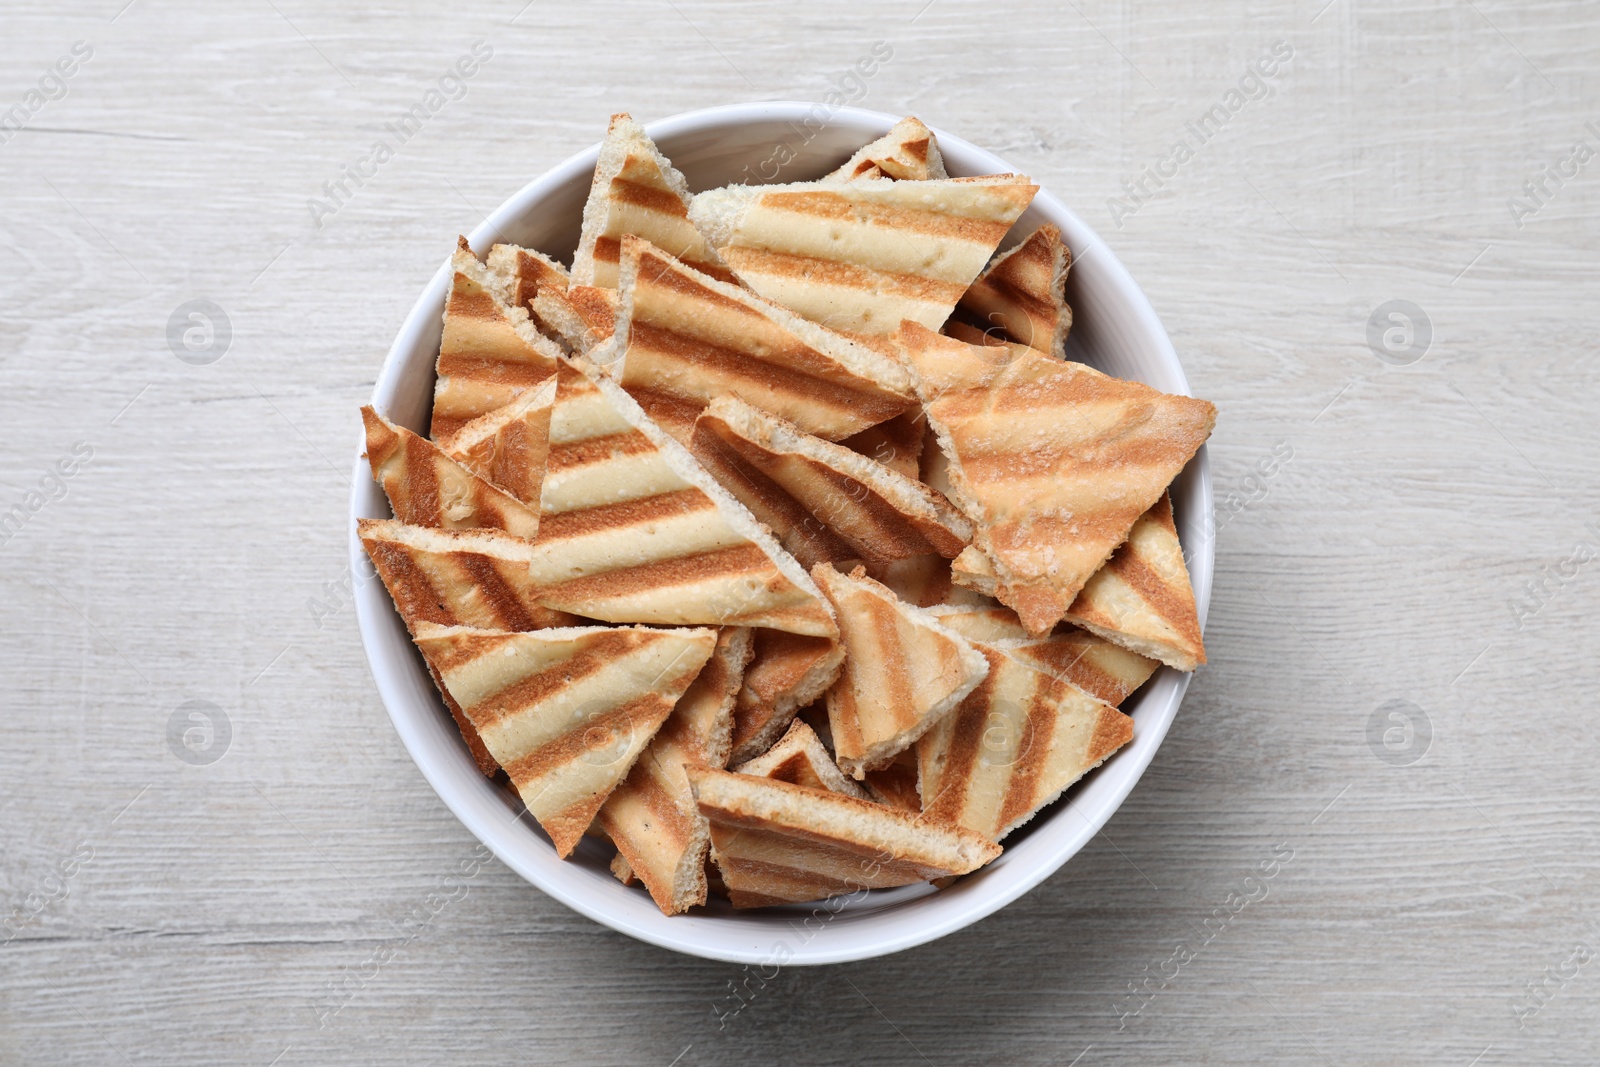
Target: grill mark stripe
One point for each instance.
(1022, 787)
(420, 483)
(558, 526)
(625, 581)
(662, 201)
(411, 587)
(507, 607)
(567, 455)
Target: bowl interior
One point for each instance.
(1114, 329)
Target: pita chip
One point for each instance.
(1100, 668)
(860, 256)
(427, 488)
(903, 671)
(1052, 461)
(583, 316)
(566, 712)
(777, 843)
(1024, 293)
(490, 351)
(1014, 745)
(800, 759)
(661, 837)
(787, 672)
(882, 516)
(683, 338)
(509, 446)
(908, 152)
(636, 191)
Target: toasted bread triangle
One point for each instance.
(509, 446)
(567, 711)
(427, 488)
(636, 191)
(908, 152)
(660, 835)
(633, 530)
(490, 351)
(475, 578)
(787, 672)
(684, 338)
(457, 577)
(1141, 599)
(1104, 670)
(903, 671)
(1052, 461)
(860, 256)
(779, 843)
(1013, 746)
(809, 485)
(800, 759)
(1023, 292)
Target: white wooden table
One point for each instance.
(1434, 875)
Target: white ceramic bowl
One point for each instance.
(1114, 329)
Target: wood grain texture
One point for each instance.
(225, 911)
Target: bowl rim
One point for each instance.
(488, 817)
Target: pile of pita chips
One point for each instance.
(723, 557)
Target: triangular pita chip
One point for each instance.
(636, 191)
(787, 672)
(509, 446)
(683, 339)
(799, 759)
(1052, 461)
(633, 530)
(882, 516)
(529, 273)
(777, 843)
(427, 488)
(1141, 599)
(1103, 670)
(490, 352)
(903, 671)
(566, 712)
(897, 443)
(909, 152)
(475, 578)
(457, 577)
(860, 256)
(1024, 293)
(583, 316)
(1013, 746)
(660, 835)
